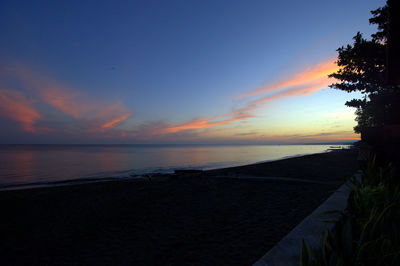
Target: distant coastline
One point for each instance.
(124, 175)
(178, 144)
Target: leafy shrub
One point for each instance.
(368, 231)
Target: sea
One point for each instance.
(26, 166)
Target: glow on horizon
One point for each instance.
(299, 84)
(105, 118)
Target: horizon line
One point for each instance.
(177, 144)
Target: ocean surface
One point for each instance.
(48, 165)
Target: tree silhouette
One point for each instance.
(364, 67)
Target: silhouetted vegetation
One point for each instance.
(370, 67)
(367, 232)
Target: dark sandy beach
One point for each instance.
(187, 220)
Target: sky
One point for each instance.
(199, 72)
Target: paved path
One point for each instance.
(287, 251)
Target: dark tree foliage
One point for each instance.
(363, 67)
(381, 19)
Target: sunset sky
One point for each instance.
(226, 72)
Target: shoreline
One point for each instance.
(79, 181)
(207, 219)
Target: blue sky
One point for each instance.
(174, 71)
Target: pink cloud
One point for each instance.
(66, 101)
(17, 107)
(207, 122)
(114, 122)
(322, 137)
(300, 84)
(311, 74)
(98, 115)
(299, 90)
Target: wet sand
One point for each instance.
(208, 219)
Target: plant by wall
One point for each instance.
(368, 231)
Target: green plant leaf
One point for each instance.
(305, 254)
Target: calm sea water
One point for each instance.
(38, 165)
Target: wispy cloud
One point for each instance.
(322, 137)
(310, 75)
(301, 83)
(299, 90)
(17, 107)
(327, 136)
(207, 122)
(246, 134)
(95, 114)
(114, 122)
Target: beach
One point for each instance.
(230, 216)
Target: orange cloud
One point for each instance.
(97, 114)
(61, 97)
(17, 107)
(310, 75)
(303, 83)
(207, 122)
(333, 136)
(114, 122)
(194, 124)
(300, 90)
(66, 101)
